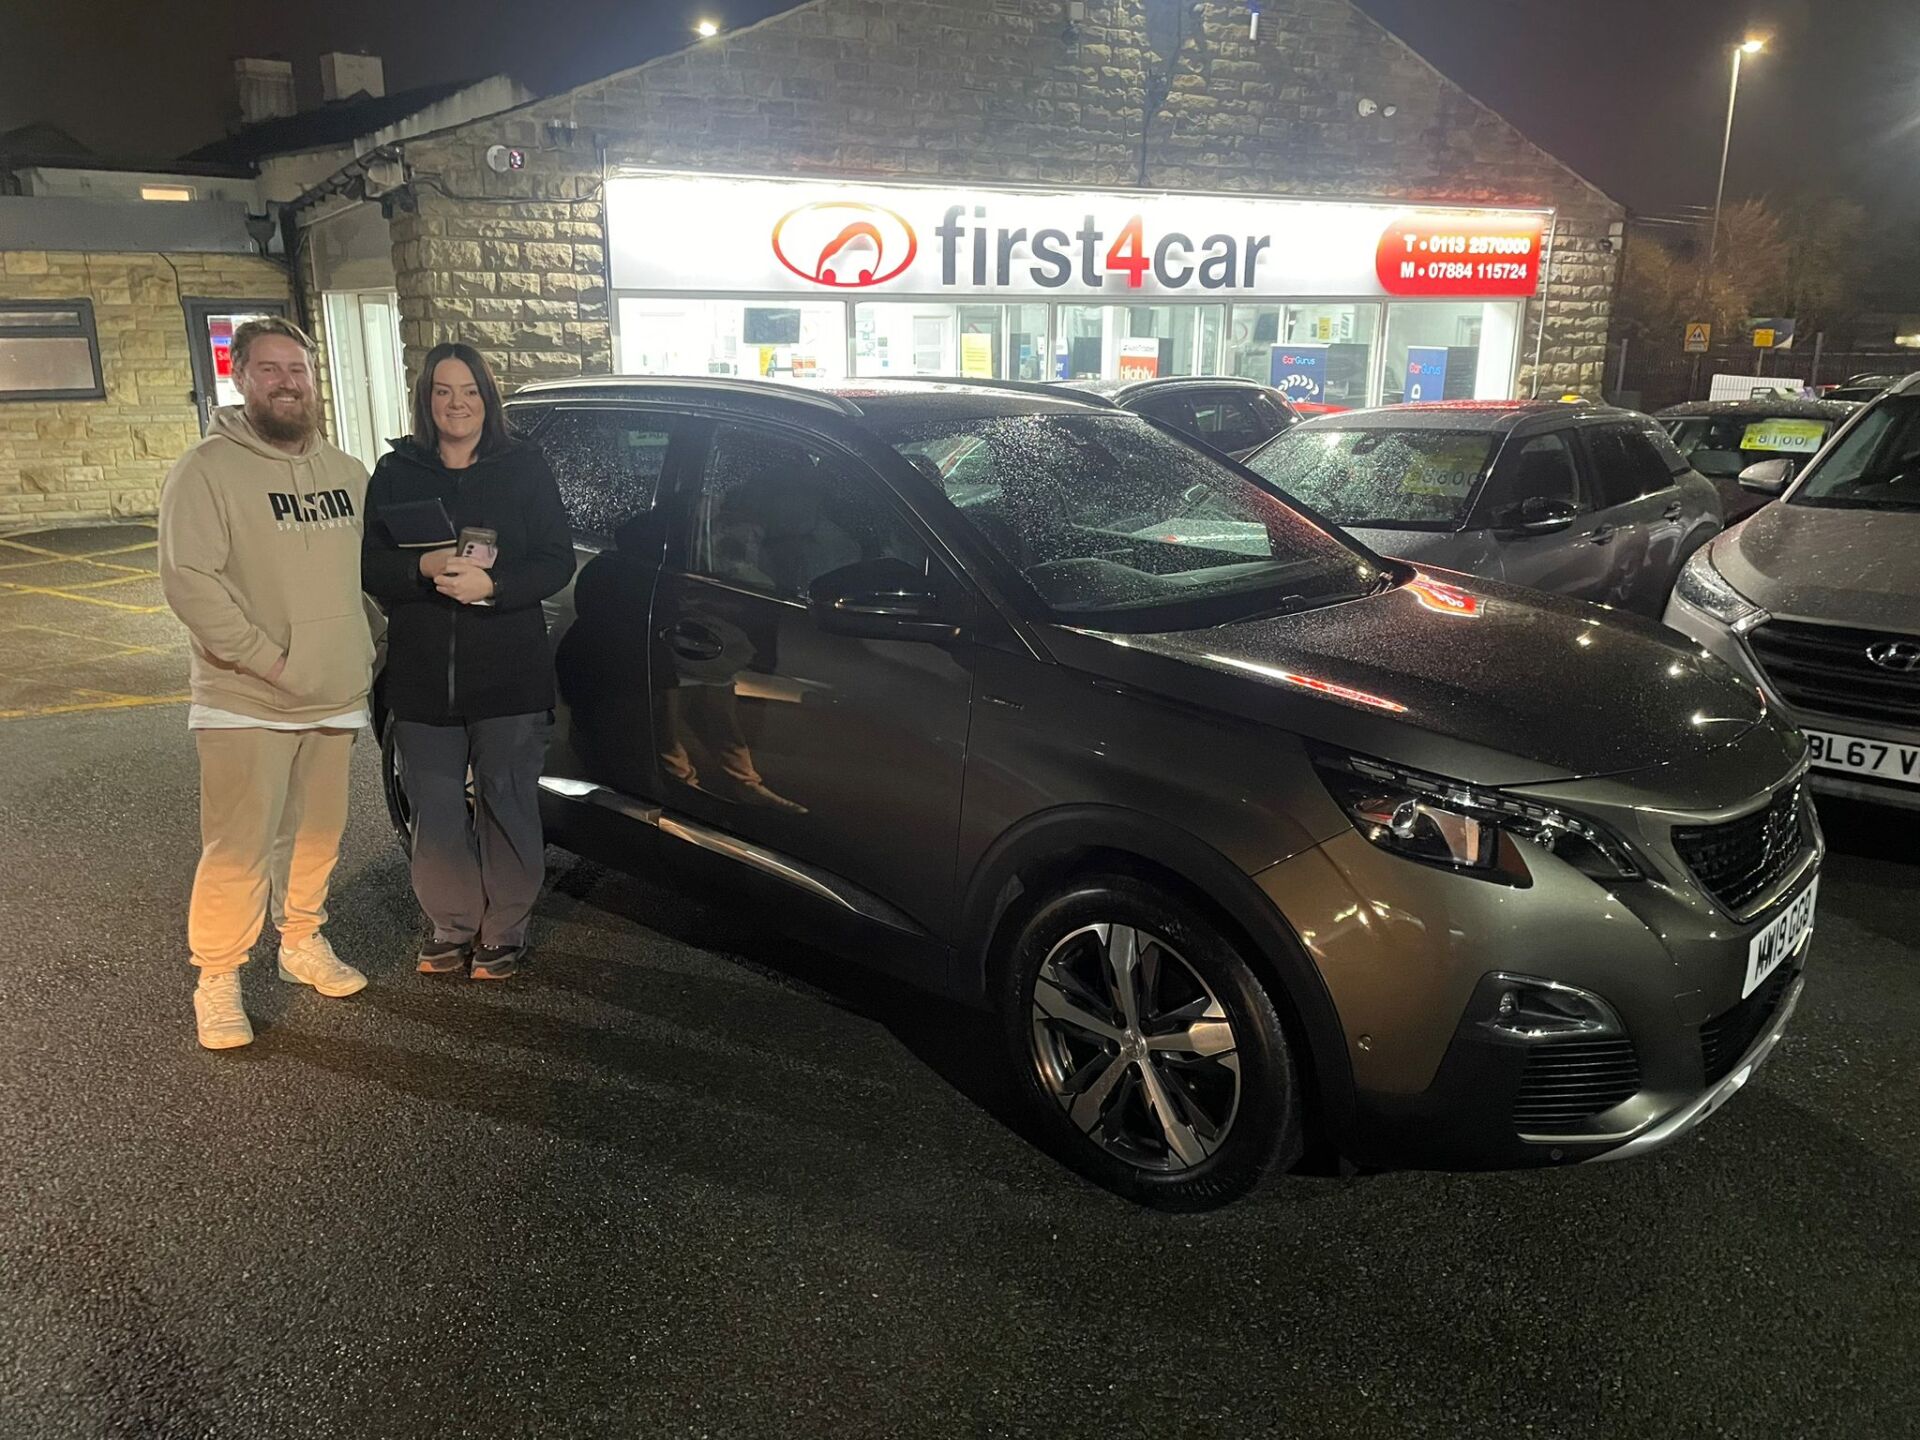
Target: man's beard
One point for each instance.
(278, 425)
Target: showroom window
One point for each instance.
(49, 351)
(1449, 352)
(1139, 342)
(998, 342)
(1317, 354)
(698, 336)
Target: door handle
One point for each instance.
(1672, 512)
(1600, 534)
(693, 642)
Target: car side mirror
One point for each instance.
(1540, 515)
(1768, 477)
(885, 599)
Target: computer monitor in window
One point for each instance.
(765, 326)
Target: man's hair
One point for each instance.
(244, 337)
(493, 426)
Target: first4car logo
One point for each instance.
(846, 244)
(856, 245)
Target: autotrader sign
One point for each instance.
(708, 233)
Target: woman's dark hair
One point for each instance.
(493, 430)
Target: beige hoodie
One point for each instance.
(260, 558)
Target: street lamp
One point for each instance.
(707, 29)
(1740, 52)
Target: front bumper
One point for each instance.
(1412, 957)
(1722, 641)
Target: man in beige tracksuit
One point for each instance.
(260, 558)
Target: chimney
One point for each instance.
(266, 89)
(344, 76)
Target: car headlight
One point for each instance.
(1707, 590)
(1444, 822)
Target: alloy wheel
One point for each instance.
(1136, 1047)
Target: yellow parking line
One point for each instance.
(9, 588)
(117, 580)
(114, 702)
(94, 558)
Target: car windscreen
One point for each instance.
(1722, 446)
(1116, 525)
(1875, 465)
(1377, 477)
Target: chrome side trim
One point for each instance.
(1698, 1109)
(796, 873)
(606, 799)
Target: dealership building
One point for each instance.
(1016, 188)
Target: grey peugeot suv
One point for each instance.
(1818, 600)
(1249, 848)
(1582, 500)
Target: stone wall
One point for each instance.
(976, 90)
(89, 459)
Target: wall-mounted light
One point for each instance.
(165, 192)
(707, 29)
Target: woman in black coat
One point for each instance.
(469, 677)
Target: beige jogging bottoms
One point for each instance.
(270, 800)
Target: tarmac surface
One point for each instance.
(685, 1178)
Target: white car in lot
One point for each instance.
(1818, 599)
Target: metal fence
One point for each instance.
(1646, 378)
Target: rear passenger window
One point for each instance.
(1624, 465)
(608, 464)
(1227, 422)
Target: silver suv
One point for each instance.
(1818, 600)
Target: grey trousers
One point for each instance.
(476, 876)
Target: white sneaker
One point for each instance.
(312, 962)
(218, 1011)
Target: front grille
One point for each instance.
(1725, 1038)
(1568, 1082)
(1825, 669)
(1744, 859)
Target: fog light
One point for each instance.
(1532, 1009)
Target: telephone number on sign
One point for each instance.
(1479, 245)
(1468, 270)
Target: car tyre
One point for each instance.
(1175, 1089)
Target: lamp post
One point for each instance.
(1740, 53)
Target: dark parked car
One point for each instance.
(1237, 416)
(1249, 848)
(1861, 388)
(1583, 500)
(1720, 438)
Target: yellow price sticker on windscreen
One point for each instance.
(1791, 437)
(1448, 467)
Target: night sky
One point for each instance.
(1631, 93)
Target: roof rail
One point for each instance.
(719, 384)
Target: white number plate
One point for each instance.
(1784, 935)
(1881, 758)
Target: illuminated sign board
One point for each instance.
(675, 232)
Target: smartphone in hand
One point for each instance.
(478, 546)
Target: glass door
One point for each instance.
(365, 365)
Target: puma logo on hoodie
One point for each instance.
(328, 508)
(260, 559)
